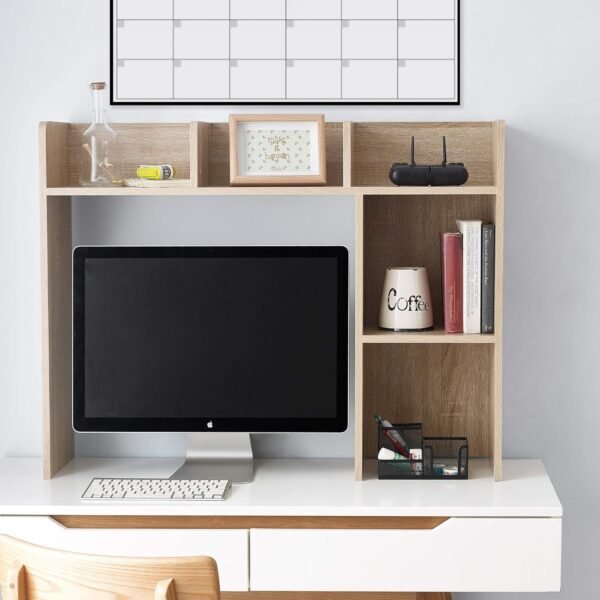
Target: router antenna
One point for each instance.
(444, 161)
(412, 151)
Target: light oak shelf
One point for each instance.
(466, 190)
(201, 191)
(453, 383)
(374, 335)
(451, 190)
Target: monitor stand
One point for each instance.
(218, 456)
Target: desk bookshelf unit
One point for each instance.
(480, 535)
(453, 383)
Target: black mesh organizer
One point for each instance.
(439, 453)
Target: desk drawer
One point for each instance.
(229, 547)
(460, 555)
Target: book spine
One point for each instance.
(488, 257)
(452, 282)
(471, 231)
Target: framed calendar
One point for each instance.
(285, 52)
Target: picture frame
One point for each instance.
(274, 150)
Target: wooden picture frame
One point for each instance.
(263, 150)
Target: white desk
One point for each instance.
(306, 525)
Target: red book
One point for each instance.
(452, 282)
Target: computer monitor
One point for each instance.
(218, 340)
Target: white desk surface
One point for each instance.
(289, 487)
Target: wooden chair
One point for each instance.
(29, 572)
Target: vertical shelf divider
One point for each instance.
(199, 133)
(194, 154)
(347, 154)
(498, 145)
(358, 331)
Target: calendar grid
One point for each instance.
(285, 51)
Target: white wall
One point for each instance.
(533, 62)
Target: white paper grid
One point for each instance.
(285, 51)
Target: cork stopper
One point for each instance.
(97, 85)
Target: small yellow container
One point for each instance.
(155, 172)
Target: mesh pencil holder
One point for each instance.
(442, 457)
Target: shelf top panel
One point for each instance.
(275, 191)
(201, 191)
(288, 487)
(450, 190)
(374, 335)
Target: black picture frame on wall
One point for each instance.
(116, 102)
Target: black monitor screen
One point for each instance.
(222, 339)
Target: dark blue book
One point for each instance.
(488, 259)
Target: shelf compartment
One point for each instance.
(139, 143)
(446, 387)
(404, 231)
(375, 146)
(374, 335)
(218, 155)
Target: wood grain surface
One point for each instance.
(249, 522)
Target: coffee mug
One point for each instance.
(406, 300)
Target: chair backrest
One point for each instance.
(29, 572)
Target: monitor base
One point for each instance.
(218, 456)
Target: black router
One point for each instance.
(428, 175)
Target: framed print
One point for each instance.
(285, 52)
(277, 150)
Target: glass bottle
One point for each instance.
(99, 146)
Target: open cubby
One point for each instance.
(139, 143)
(375, 146)
(404, 231)
(452, 383)
(444, 386)
(218, 154)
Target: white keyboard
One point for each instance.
(157, 489)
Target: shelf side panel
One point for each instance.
(358, 345)
(496, 381)
(54, 168)
(56, 240)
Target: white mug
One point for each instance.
(406, 300)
